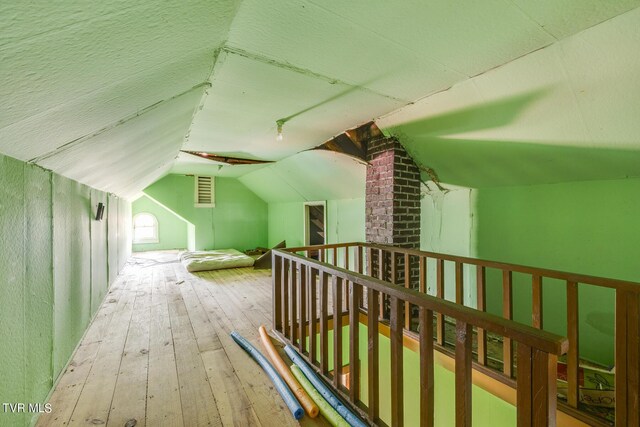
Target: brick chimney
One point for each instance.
(392, 201)
(392, 195)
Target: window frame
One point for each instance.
(155, 227)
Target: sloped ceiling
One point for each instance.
(108, 94)
(568, 112)
(77, 74)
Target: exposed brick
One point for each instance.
(392, 196)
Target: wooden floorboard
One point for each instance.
(158, 352)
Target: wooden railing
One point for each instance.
(302, 309)
(409, 268)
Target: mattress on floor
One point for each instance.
(215, 260)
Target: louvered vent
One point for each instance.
(204, 196)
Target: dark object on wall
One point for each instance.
(100, 211)
(264, 261)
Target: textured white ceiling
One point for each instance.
(73, 77)
(71, 69)
(568, 112)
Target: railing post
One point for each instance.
(337, 331)
(354, 341)
(464, 339)
(293, 303)
(481, 305)
(536, 387)
(507, 313)
(313, 313)
(285, 297)
(373, 355)
(407, 285)
(440, 294)
(276, 297)
(573, 333)
(395, 338)
(382, 266)
(302, 307)
(627, 382)
(324, 323)
(426, 368)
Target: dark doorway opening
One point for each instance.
(315, 225)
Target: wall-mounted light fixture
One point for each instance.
(100, 211)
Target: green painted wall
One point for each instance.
(447, 226)
(586, 227)
(487, 409)
(55, 264)
(345, 222)
(239, 219)
(172, 230)
(71, 266)
(99, 253)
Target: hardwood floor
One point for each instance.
(158, 352)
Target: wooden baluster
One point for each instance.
(373, 379)
(285, 297)
(459, 283)
(394, 269)
(359, 259)
(407, 285)
(321, 255)
(337, 332)
(395, 338)
(276, 296)
(536, 300)
(313, 314)
(627, 381)
(464, 339)
(482, 298)
(573, 360)
(423, 275)
(335, 257)
(346, 258)
(369, 262)
(346, 283)
(426, 365)
(302, 306)
(440, 294)
(293, 303)
(382, 265)
(354, 342)
(507, 313)
(536, 387)
(324, 323)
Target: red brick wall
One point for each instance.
(392, 195)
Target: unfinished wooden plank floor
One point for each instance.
(158, 352)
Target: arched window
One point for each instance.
(145, 228)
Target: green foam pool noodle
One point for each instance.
(326, 410)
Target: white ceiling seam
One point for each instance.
(76, 142)
(69, 70)
(217, 58)
(306, 72)
(371, 30)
